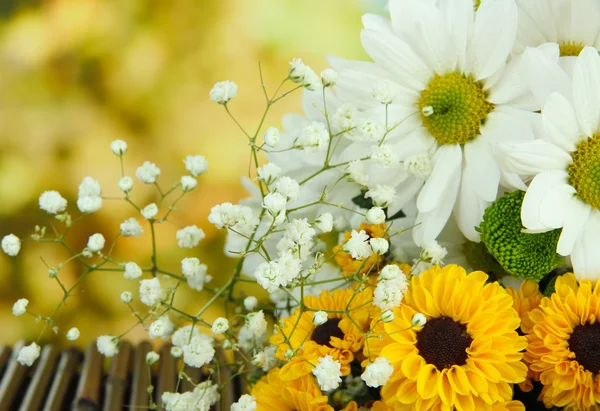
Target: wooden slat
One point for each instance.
(141, 376)
(229, 394)
(117, 381)
(40, 383)
(195, 375)
(13, 379)
(167, 374)
(5, 351)
(65, 372)
(87, 397)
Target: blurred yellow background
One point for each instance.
(77, 74)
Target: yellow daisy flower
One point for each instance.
(564, 344)
(526, 299)
(369, 265)
(468, 353)
(341, 336)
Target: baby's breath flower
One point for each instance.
(324, 222)
(266, 358)
(376, 215)
(379, 245)
(195, 273)
(328, 373)
(419, 320)
(329, 77)
(118, 147)
(358, 245)
(319, 318)
(274, 203)
(390, 288)
(268, 173)
(96, 242)
(88, 199)
(176, 352)
(377, 373)
(257, 324)
(387, 316)
(223, 91)
(150, 211)
(152, 358)
(434, 252)
(419, 165)
(131, 228)
(163, 327)
(345, 118)
(390, 272)
(271, 137)
(132, 271)
(73, 334)
(28, 354)
(250, 303)
(20, 307)
(188, 183)
(125, 184)
(385, 156)
(199, 351)
(220, 325)
(288, 187)
(269, 275)
(150, 291)
(314, 137)
(52, 202)
(189, 236)
(108, 345)
(196, 165)
(358, 173)
(147, 173)
(301, 73)
(369, 130)
(381, 195)
(245, 403)
(385, 91)
(126, 297)
(11, 245)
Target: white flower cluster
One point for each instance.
(195, 273)
(391, 286)
(202, 398)
(328, 373)
(378, 372)
(89, 199)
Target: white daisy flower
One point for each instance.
(564, 161)
(457, 97)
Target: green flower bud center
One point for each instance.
(570, 48)
(459, 108)
(584, 171)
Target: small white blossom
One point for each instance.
(379, 245)
(11, 245)
(96, 242)
(345, 118)
(150, 211)
(131, 228)
(369, 131)
(390, 272)
(147, 173)
(257, 324)
(434, 252)
(28, 354)
(268, 275)
(419, 165)
(301, 73)
(329, 77)
(319, 318)
(88, 198)
(73, 334)
(132, 271)
(314, 137)
(381, 195)
(108, 345)
(52, 202)
(163, 327)
(152, 358)
(189, 236)
(195, 273)
(385, 91)
(274, 203)
(199, 351)
(188, 183)
(378, 372)
(390, 288)
(287, 187)
(196, 165)
(126, 297)
(245, 403)
(250, 303)
(118, 147)
(358, 173)
(268, 173)
(220, 325)
(376, 215)
(20, 307)
(328, 373)
(125, 184)
(241, 218)
(223, 91)
(324, 222)
(183, 335)
(387, 316)
(358, 245)
(150, 291)
(385, 156)
(419, 320)
(266, 359)
(271, 137)
(176, 352)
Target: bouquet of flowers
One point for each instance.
(427, 231)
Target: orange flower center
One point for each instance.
(585, 343)
(323, 333)
(443, 342)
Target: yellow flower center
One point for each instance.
(443, 342)
(570, 48)
(453, 108)
(585, 343)
(584, 172)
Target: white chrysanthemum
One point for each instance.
(150, 291)
(132, 271)
(220, 325)
(195, 273)
(88, 198)
(223, 91)
(196, 165)
(188, 183)
(108, 345)
(73, 334)
(147, 173)
(28, 354)
(198, 351)
(564, 192)
(52, 202)
(328, 373)
(161, 328)
(131, 228)
(11, 245)
(457, 97)
(125, 184)
(20, 307)
(378, 372)
(189, 236)
(96, 242)
(150, 211)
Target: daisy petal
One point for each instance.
(585, 257)
(512, 181)
(446, 168)
(555, 205)
(531, 157)
(544, 75)
(560, 123)
(586, 89)
(494, 35)
(459, 21)
(585, 15)
(539, 187)
(575, 219)
(469, 210)
(481, 169)
(377, 22)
